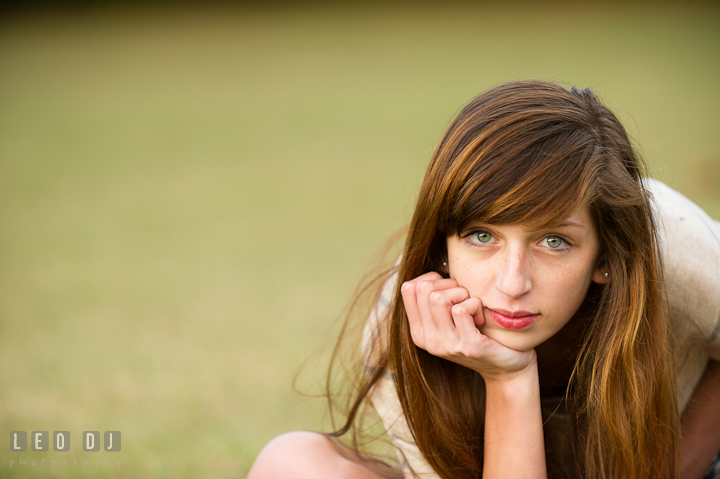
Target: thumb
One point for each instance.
(477, 314)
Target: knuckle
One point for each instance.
(454, 350)
(425, 287)
(459, 309)
(468, 352)
(407, 287)
(436, 298)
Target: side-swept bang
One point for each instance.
(541, 184)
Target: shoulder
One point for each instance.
(690, 247)
(689, 242)
(675, 210)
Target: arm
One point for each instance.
(443, 321)
(701, 425)
(513, 428)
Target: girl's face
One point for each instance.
(530, 282)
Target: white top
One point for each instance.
(690, 248)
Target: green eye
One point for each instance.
(483, 236)
(554, 241)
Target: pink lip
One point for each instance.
(513, 319)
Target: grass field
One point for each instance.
(189, 196)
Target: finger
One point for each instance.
(440, 303)
(479, 315)
(475, 309)
(439, 284)
(409, 293)
(463, 316)
(409, 296)
(429, 276)
(429, 326)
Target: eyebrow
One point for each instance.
(564, 224)
(570, 223)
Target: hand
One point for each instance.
(444, 321)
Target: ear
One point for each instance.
(601, 274)
(443, 269)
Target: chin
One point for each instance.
(517, 340)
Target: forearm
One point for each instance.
(513, 428)
(701, 425)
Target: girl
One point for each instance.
(551, 315)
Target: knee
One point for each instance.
(297, 454)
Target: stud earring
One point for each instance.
(606, 274)
(444, 263)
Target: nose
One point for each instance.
(514, 278)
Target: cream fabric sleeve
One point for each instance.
(383, 396)
(690, 247)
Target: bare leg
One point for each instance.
(303, 454)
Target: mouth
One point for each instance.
(515, 320)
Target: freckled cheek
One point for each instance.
(475, 280)
(569, 288)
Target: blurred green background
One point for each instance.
(189, 194)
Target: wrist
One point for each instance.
(528, 373)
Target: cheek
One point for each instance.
(473, 278)
(568, 289)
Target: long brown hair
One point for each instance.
(534, 152)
